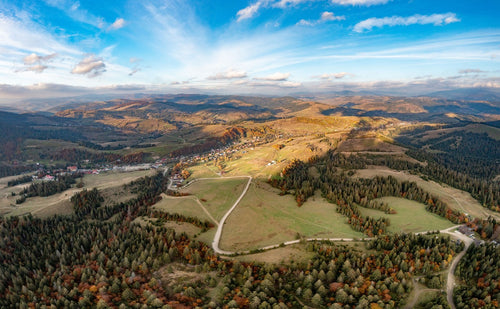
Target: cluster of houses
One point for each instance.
(214, 154)
(176, 180)
(470, 233)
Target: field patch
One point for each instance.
(269, 159)
(279, 256)
(113, 179)
(111, 183)
(185, 205)
(454, 198)
(217, 195)
(368, 144)
(411, 216)
(265, 218)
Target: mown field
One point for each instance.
(217, 195)
(264, 218)
(454, 198)
(411, 216)
(185, 205)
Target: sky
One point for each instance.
(57, 48)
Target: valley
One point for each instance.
(248, 187)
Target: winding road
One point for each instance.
(215, 244)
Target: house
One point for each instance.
(72, 169)
(465, 230)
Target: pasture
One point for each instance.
(265, 218)
(411, 216)
(454, 198)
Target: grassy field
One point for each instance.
(110, 183)
(217, 195)
(258, 161)
(368, 144)
(114, 179)
(186, 206)
(265, 218)
(203, 170)
(492, 132)
(411, 216)
(454, 198)
(279, 256)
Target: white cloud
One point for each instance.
(34, 58)
(229, 74)
(278, 76)
(38, 68)
(330, 76)
(91, 66)
(119, 23)
(360, 2)
(325, 16)
(304, 22)
(249, 11)
(467, 71)
(36, 63)
(285, 3)
(271, 84)
(435, 19)
(252, 9)
(75, 11)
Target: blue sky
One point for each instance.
(67, 47)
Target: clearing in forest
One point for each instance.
(263, 218)
(411, 216)
(217, 195)
(454, 198)
(111, 183)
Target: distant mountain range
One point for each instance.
(491, 95)
(469, 94)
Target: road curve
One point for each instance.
(215, 244)
(450, 283)
(218, 233)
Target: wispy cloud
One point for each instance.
(467, 71)
(360, 2)
(118, 24)
(136, 65)
(74, 10)
(229, 74)
(325, 16)
(91, 66)
(331, 76)
(275, 84)
(278, 76)
(285, 3)
(435, 19)
(250, 10)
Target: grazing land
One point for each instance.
(185, 205)
(111, 184)
(217, 195)
(411, 216)
(263, 218)
(454, 198)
